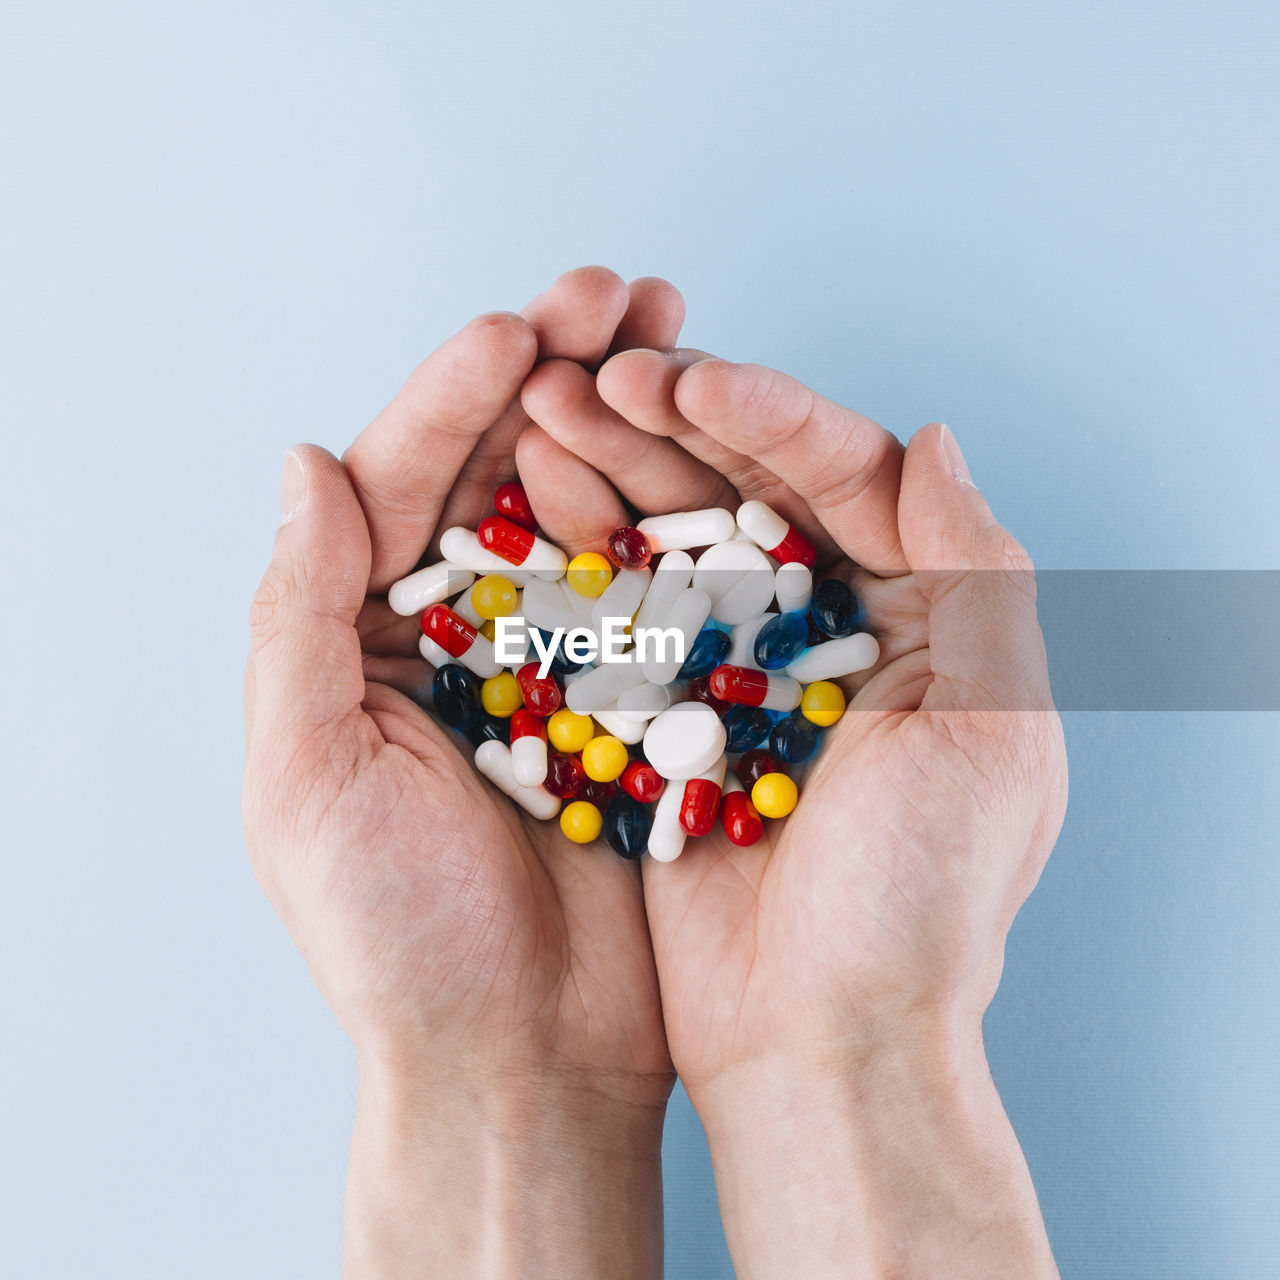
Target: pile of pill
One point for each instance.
(640, 745)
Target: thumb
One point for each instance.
(305, 653)
(985, 646)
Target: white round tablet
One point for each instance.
(684, 740)
(739, 579)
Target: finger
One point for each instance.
(576, 507)
(985, 646)
(640, 386)
(843, 465)
(305, 652)
(382, 630)
(653, 473)
(575, 319)
(404, 464)
(655, 313)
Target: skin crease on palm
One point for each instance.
(453, 935)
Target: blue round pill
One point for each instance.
(706, 653)
(793, 738)
(456, 695)
(834, 608)
(627, 823)
(745, 727)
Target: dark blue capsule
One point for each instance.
(560, 665)
(834, 609)
(781, 640)
(456, 695)
(707, 652)
(745, 727)
(815, 636)
(491, 729)
(626, 825)
(793, 738)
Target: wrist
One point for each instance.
(502, 1173)
(893, 1159)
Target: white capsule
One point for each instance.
(673, 574)
(544, 559)
(684, 529)
(628, 731)
(462, 548)
(621, 598)
(543, 605)
(739, 579)
(742, 642)
(602, 686)
(466, 610)
(792, 587)
(666, 835)
(428, 586)
(762, 524)
(684, 740)
(529, 760)
(648, 700)
(493, 759)
(688, 612)
(435, 654)
(836, 658)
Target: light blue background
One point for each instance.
(228, 227)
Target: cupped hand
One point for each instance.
(445, 929)
(883, 901)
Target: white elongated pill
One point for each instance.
(792, 587)
(493, 759)
(762, 524)
(462, 548)
(666, 835)
(428, 586)
(543, 605)
(688, 612)
(621, 598)
(435, 654)
(602, 686)
(625, 730)
(648, 700)
(684, 529)
(739, 579)
(529, 761)
(684, 740)
(672, 575)
(836, 658)
(463, 607)
(742, 642)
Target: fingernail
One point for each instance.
(954, 458)
(293, 487)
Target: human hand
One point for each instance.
(496, 980)
(856, 947)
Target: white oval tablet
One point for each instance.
(684, 740)
(739, 579)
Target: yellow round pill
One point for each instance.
(494, 597)
(822, 703)
(581, 821)
(570, 732)
(589, 573)
(500, 695)
(774, 795)
(604, 758)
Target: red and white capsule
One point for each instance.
(754, 688)
(701, 800)
(528, 748)
(521, 548)
(783, 541)
(740, 819)
(459, 639)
